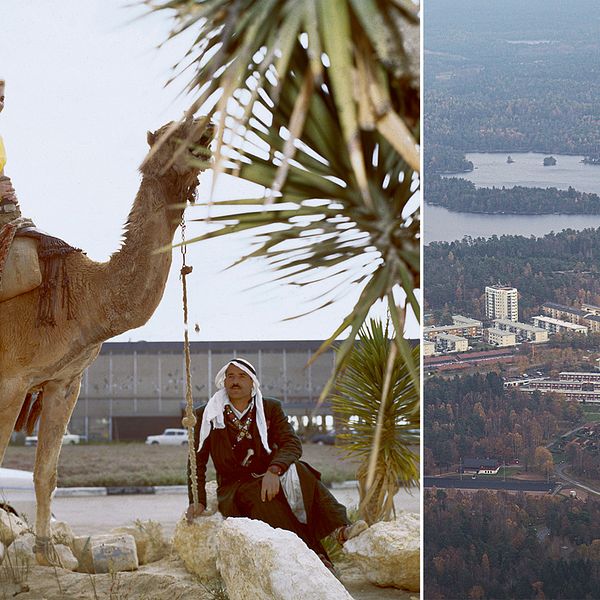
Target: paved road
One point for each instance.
(488, 484)
(560, 469)
(99, 514)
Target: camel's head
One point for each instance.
(179, 148)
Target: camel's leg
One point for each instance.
(59, 400)
(12, 395)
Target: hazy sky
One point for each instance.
(84, 84)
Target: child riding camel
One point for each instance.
(9, 206)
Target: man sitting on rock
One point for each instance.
(256, 456)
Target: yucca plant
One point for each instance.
(379, 403)
(317, 101)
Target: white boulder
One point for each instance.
(11, 527)
(65, 557)
(106, 553)
(149, 540)
(388, 553)
(257, 561)
(61, 533)
(196, 544)
(21, 552)
(212, 504)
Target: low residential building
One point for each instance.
(523, 331)
(558, 326)
(462, 326)
(428, 348)
(590, 308)
(593, 322)
(498, 337)
(481, 466)
(573, 386)
(521, 381)
(471, 327)
(588, 315)
(580, 377)
(563, 313)
(446, 342)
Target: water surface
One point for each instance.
(440, 224)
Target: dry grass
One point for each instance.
(135, 464)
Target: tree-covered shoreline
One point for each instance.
(461, 195)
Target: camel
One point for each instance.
(108, 299)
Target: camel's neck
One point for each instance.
(136, 275)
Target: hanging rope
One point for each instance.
(189, 421)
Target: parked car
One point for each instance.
(68, 439)
(324, 438)
(17, 494)
(169, 437)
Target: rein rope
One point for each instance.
(189, 421)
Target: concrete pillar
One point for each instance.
(134, 381)
(309, 375)
(110, 397)
(210, 375)
(159, 367)
(285, 381)
(260, 365)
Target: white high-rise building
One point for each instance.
(501, 302)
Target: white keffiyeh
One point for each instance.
(213, 416)
(213, 413)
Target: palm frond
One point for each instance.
(314, 105)
(376, 404)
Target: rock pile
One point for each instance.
(388, 553)
(257, 561)
(122, 550)
(196, 542)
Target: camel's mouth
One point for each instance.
(199, 147)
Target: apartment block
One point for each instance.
(446, 342)
(523, 331)
(498, 337)
(588, 315)
(563, 313)
(558, 326)
(501, 302)
(572, 386)
(590, 308)
(428, 348)
(462, 327)
(593, 323)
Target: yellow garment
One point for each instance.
(2, 155)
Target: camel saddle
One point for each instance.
(30, 258)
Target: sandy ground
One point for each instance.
(163, 580)
(166, 579)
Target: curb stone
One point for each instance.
(156, 489)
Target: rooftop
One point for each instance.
(518, 325)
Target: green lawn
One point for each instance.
(592, 413)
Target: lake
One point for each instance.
(440, 224)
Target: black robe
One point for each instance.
(324, 513)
